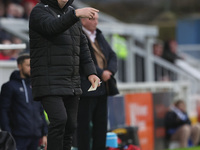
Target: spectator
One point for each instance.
(28, 6)
(5, 54)
(178, 125)
(14, 10)
(19, 114)
(15, 52)
(158, 69)
(170, 51)
(2, 9)
(93, 105)
(158, 48)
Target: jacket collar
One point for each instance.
(54, 4)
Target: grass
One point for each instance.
(191, 148)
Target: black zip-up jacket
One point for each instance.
(57, 48)
(111, 59)
(19, 113)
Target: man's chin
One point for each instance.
(27, 76)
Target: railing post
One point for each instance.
(149, 64)
(130, 69)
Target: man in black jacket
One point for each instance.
(93, 105)
(19, 114)
(58, 49)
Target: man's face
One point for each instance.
(158, 50)
(182, 107)
(90, 24)
(25, 68)
(173, 46)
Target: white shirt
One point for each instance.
(91, 35)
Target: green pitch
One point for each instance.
(191, 148)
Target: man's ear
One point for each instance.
(19, 66)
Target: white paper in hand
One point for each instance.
(93, 89)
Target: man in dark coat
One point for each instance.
(58, 48)
(93, 105)
(19, 114)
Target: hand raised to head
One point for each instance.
(87, 12)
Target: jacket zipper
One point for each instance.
(72, 86)
(25, 90)
(73, 90)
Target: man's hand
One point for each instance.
(44, 142)
(92, 78)
(87, 12)
(106, 75)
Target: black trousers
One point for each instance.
(92, 110)
(62, 114)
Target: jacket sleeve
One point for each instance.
(112, 58)
(43, 21)
(5, 104)
(86, 61)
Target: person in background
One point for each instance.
(158, 48)
(58, 50)
(158, 69)
(14, 10)
(178, 126)
(93, 105)
(28, 6)
(2, 9)
(5, 54)
(19, 114)
(15, 52)
(170, 51)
